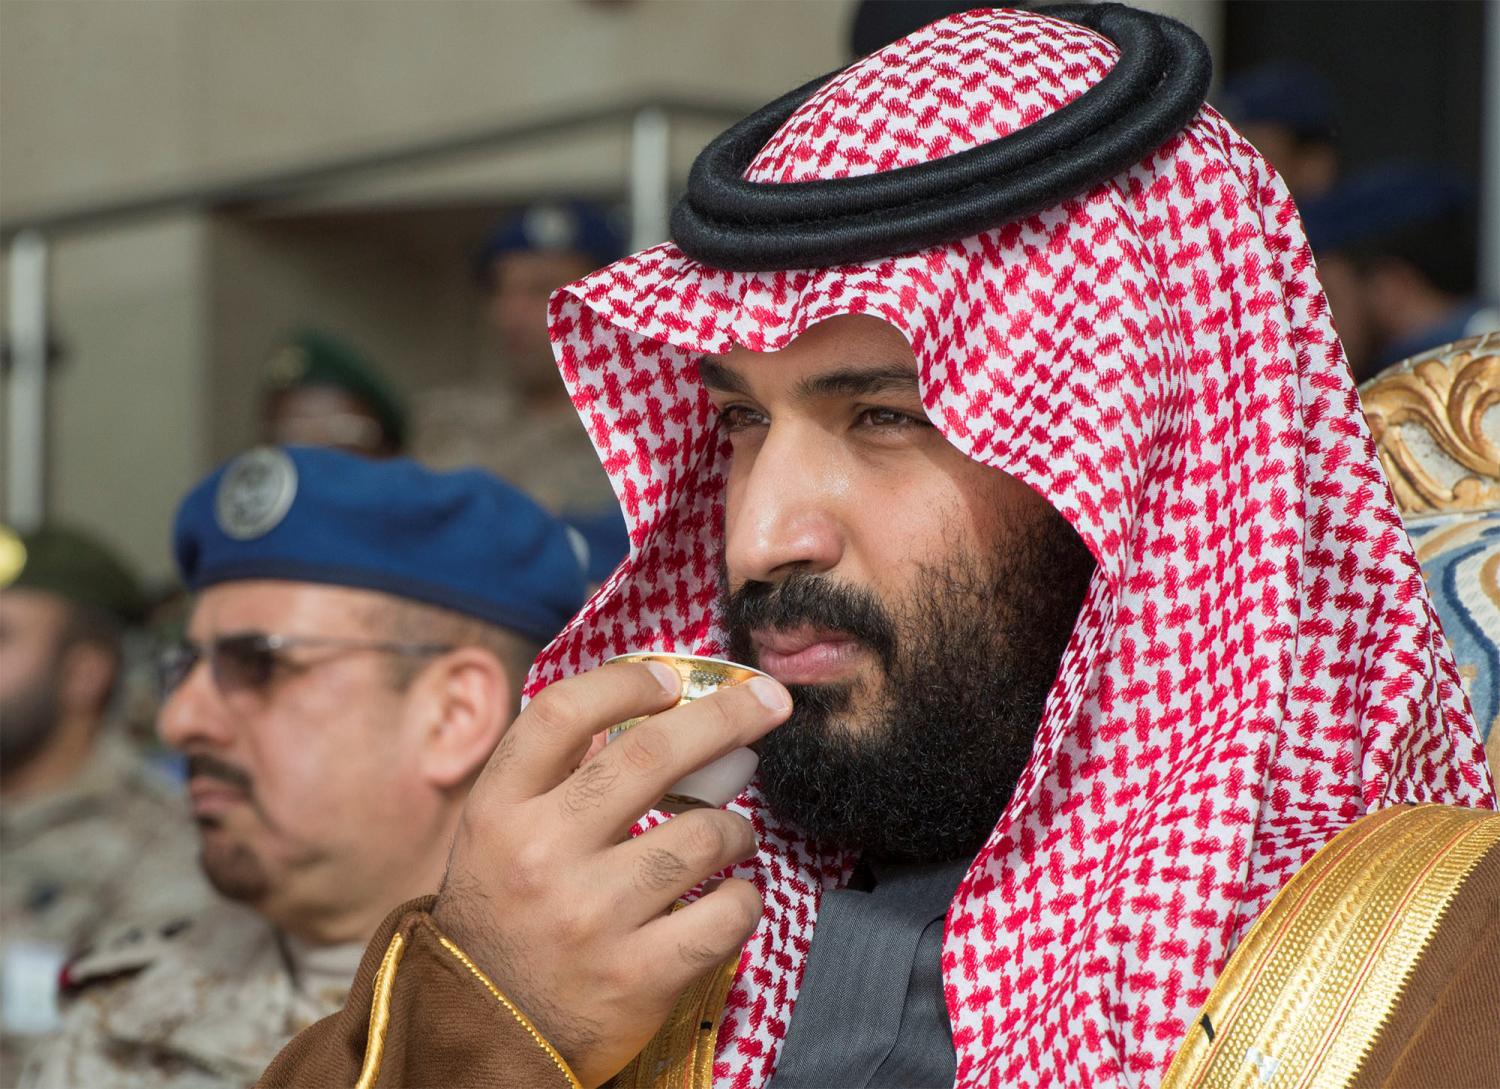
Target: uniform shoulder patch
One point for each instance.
(119, 953)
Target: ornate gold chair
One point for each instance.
(1436, 421)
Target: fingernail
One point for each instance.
(770, 694)
(666, 676)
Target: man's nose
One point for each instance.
(194, 715)
(785, 513)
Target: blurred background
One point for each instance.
(188, 190)
(337, 222)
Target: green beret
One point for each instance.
(314, 358)
(71, 564)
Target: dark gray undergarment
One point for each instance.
(871, 1012)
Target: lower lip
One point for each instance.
(817, 663)
(208, 799)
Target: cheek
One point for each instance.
(21, 665)
(907, 519)
(297, 775)
(315, 767)
(934, 511)
(523, 311)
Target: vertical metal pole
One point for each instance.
(650, 178)
(1489, 193)
(26, 447)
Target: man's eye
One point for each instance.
(739, 417)
(890, 418)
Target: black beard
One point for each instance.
(967, 664)
(28, 720)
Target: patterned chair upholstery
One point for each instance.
(1436, 422)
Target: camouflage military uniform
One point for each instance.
(548, 455)
(115, 845)
(202, 1003)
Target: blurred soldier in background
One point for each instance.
(319, 391)
(1288, 113)
(527, 429)
(1397, 248)
(88, 832)
(356, 650)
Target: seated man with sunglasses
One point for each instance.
(356, 650)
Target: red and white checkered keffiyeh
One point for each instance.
(1256, 664)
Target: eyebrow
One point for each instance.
(845, 382)
(720, 378)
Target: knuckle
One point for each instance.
(481, 820)
(531, 869)
(704, 837)
(645, 748)
(554, 708)
(504, 753)
(660, 869)
(745, 900)
(622, 975)
(720, 710)
(739, 834)
(700, 954)
(575, 924)
(589, 786)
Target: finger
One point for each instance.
(597, 742)
(685, 944)
(613, 790)
(549, 738)
(652, 870)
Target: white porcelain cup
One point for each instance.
(717, 783)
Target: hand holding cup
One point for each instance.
(550, 895)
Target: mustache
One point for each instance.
(202, 765)
(814, 601)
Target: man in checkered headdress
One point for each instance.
(987, 400)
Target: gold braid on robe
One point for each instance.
(1377, 965)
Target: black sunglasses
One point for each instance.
(250, 661)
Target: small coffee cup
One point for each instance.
(717, 783)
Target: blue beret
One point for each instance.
(1379, 201)
(463, 540)
(571, 226)
(1280, 94)
(607, 539)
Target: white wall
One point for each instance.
(99, 96)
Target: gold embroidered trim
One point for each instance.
(1304, 997)
(525, 1022)
(681, 1054)
(715, 998)
(380, 1012)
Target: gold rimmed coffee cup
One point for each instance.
(719, 782)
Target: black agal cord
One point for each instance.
(1150, 94)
